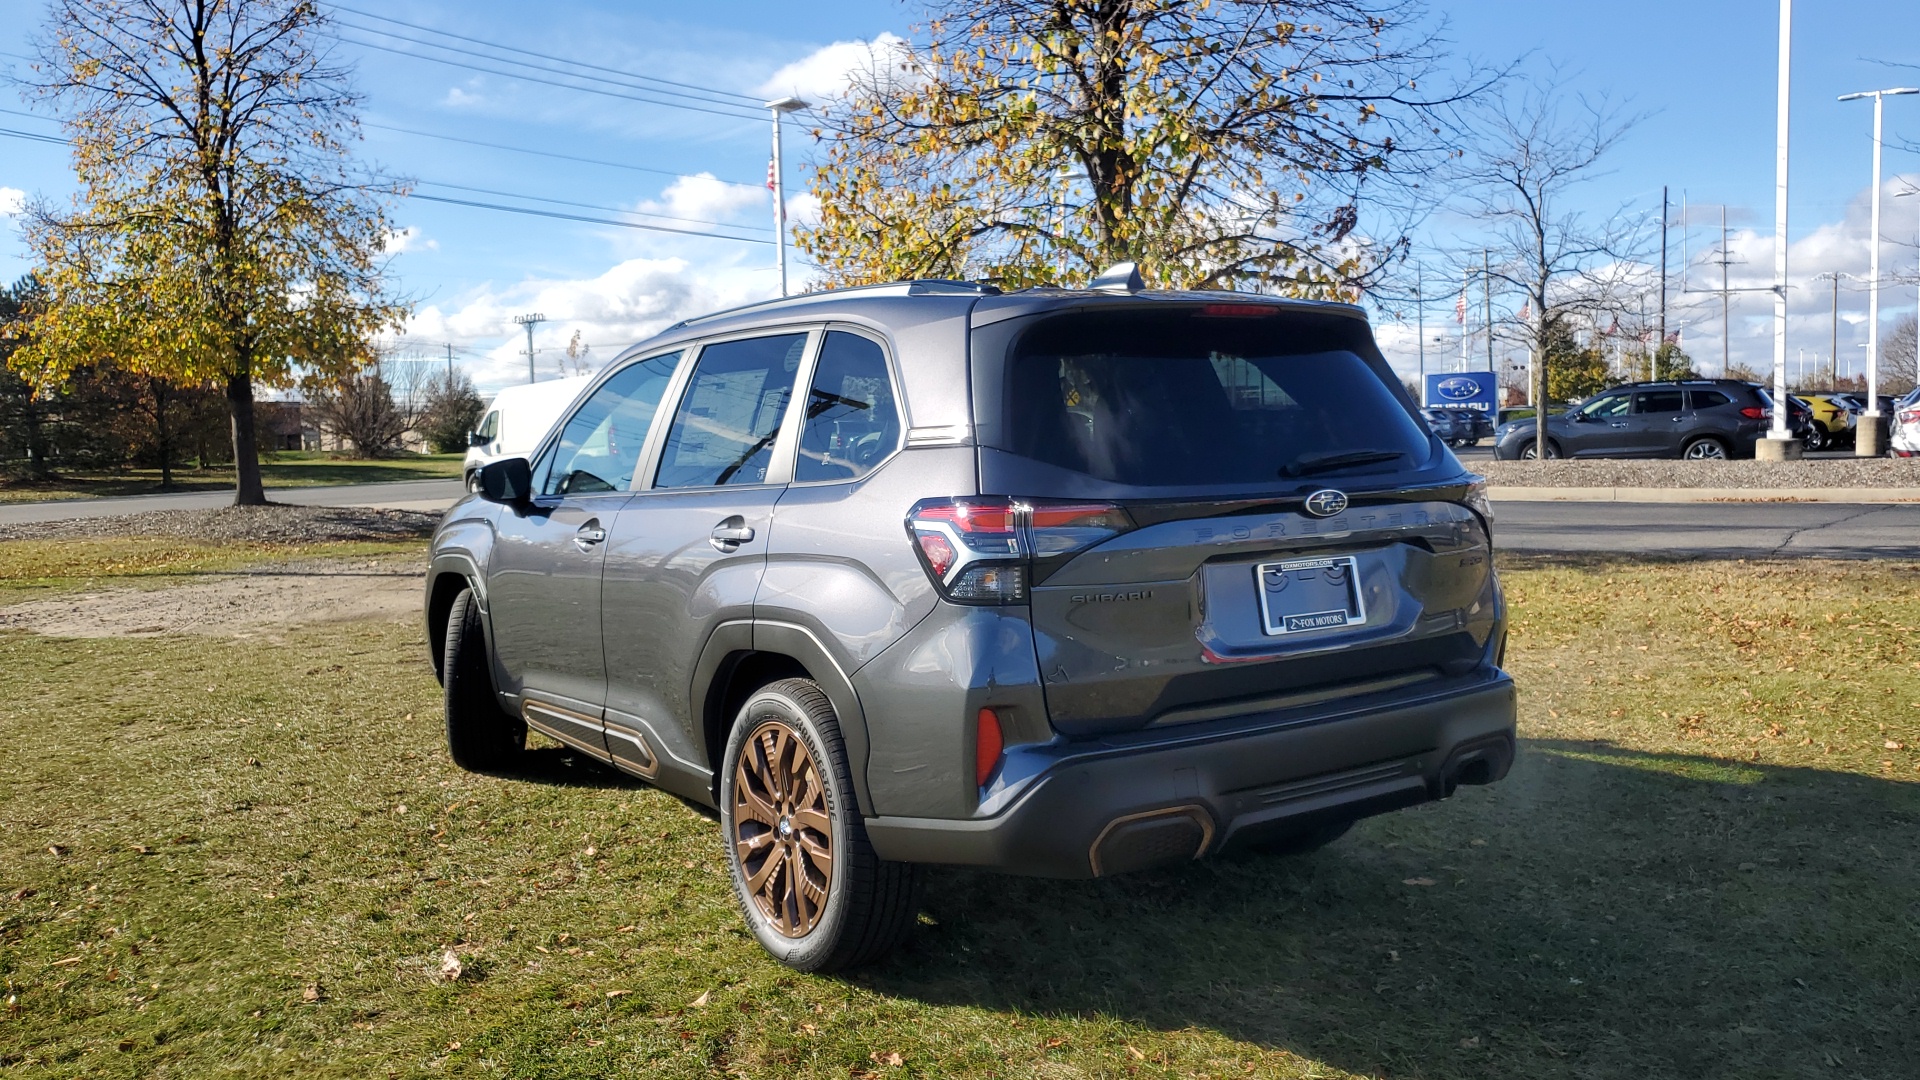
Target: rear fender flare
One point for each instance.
(730, 640)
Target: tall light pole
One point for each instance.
(776, 179)
(1867, 444)
(1779, 445)
(530, 321)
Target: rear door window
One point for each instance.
(731, 412)
(1178, 398)
(1709, 399)
(1659, 402)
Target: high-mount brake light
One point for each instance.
(1238, 311)
(985, 550)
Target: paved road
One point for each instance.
(1730, 530)
(1719, 530)
(399, 495)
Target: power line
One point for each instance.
(549, 82)
(755, 102)
(635, 85)
(545, 153)
(33, 137)
(587, 206)
(594, 221)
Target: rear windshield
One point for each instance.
(1164, 398)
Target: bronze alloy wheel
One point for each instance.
(782, 833)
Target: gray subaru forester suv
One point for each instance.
(1058, 582)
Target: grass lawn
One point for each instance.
(37, 569)
(283, 469)
(254, 859)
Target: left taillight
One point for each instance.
(987, 550)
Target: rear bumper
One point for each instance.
(1099, 807)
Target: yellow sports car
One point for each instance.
(1832, 421)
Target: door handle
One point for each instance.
(1618, 424)
(727, 536)
(589, 534)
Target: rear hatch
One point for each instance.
(1282, 528)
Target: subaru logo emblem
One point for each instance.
(1458, 389)
(1326, 503)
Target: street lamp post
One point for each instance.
(779, 107)
(1780, 445)
(1867, 443)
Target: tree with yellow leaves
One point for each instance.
(221, 233)
(1217, 143)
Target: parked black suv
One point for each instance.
(1062, 582)
(1694, 418)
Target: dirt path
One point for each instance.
(258, 603)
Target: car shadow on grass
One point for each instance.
(1603, 912)
(563, 766)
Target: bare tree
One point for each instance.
(372, 411)
(1537, 148)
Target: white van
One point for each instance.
(518, 419)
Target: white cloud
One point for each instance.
(460, 99)
(12, 201)
(631, 301)
(830, 71)
(703, 198)
(401, 241)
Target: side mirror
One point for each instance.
(509, 481)
(474, 438)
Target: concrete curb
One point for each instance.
(1858, 495)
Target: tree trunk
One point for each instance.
(161, 433)
(247, 488)
(1540, 373)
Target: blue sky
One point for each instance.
(1704, 69)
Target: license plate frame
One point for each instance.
(1312, 607)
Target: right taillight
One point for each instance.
(985, 550)
(1910, 416)
(1754, 412)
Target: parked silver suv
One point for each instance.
(1057, 582)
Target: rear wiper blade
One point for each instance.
(1328, 462)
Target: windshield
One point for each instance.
(1162, 398)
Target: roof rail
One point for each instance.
(909, 287)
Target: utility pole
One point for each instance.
(1420, 313)
(1486, 287)
(1867, 444)
(1665, 206)
(1466, 338)
(1726, 300)
(776, 180)
(530, 321)
(449, 365)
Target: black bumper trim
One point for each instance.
(1281, 779)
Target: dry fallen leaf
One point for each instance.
(592, 851)
(1893, 744)
(1418, 881)
(56, 850)
(312, 993)
(142, 849)
(450, 967)
(701, 1001)
(891, 1057)
(618, 993)
(1470, 1042)
(1135, 1054)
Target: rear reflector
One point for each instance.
(987, 745)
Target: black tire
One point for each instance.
(1303, 842)
(1815, 438)
(870, 905)
(1705, 448)
(1527, 450)
(481, 736)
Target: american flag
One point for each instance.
(1460, 308)
(772, 183)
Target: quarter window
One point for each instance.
(1709, 399)
(600, 446)
(731, 413)
(852, 421)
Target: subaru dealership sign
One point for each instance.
(1474, 390)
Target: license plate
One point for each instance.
(1300, 596)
